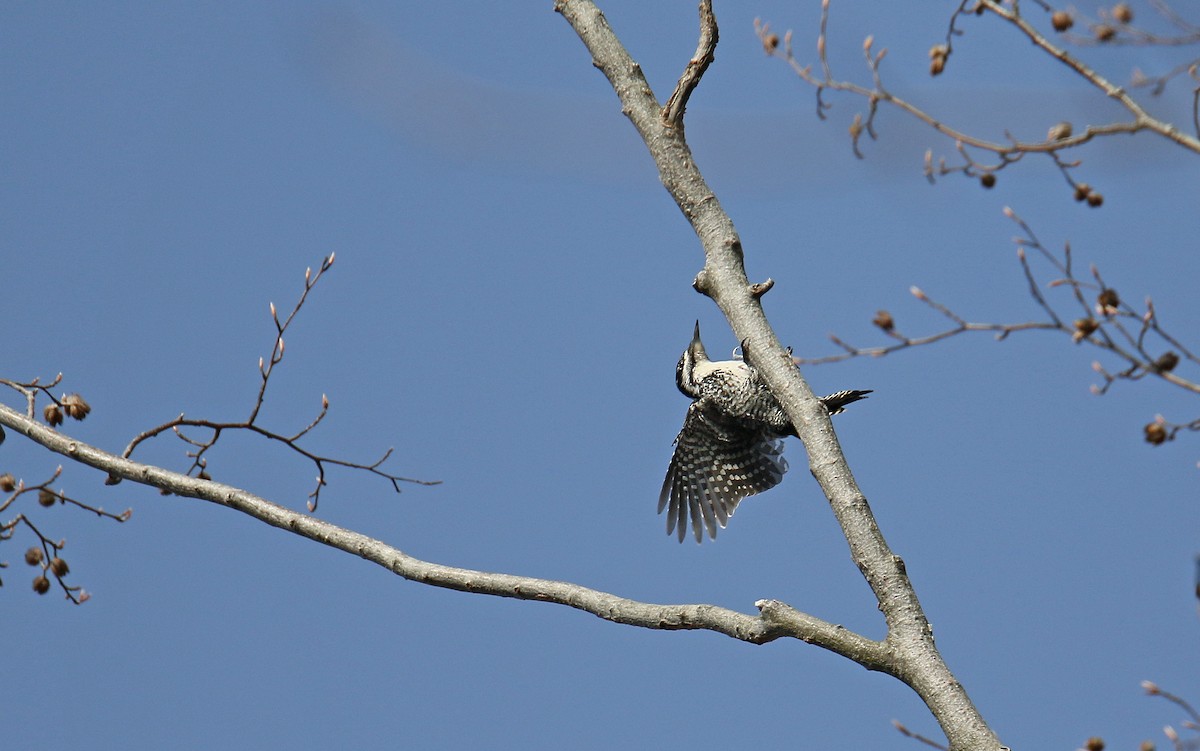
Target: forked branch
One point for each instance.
(46, 556)
(1092, 313)
(980, 157)
(774, 621)
(672, 113)
(910, 652)
(266, 367)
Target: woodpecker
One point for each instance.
(731, 445)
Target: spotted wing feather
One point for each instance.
(715, 466)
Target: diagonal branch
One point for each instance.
(1142, 118)
(1005, 152)
(915, 659)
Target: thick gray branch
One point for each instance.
(912, 655)
(750, 628)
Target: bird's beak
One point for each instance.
(697, 346)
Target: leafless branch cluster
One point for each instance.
(1115, 26)
(1135, 337)
(45, 555)
(69, 405)
(983, 158)
(907, 652)
(1177, 740)
(201, 446)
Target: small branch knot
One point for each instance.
(762, 288)
(770, 610)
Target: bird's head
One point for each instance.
(685, 370)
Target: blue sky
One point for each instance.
(512, 289)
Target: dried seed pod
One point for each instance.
(1166, 362)
(76, 407)
(1084, 327)
(59, 566)
(53, 415)
(1156, 434)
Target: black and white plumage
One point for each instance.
(731, 445)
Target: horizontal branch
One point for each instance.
(776, 621)
(1106, 321)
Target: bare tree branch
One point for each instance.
(1192, 723)
(1114, 27)
(265, 369)
(1060, 138)
(907, 652)
(776, 620)
(916, 660)
(1106, 321)
(672, 113)
(1142, 119)
(46, 555)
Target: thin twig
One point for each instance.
(917, 736)
(1060, 138)
(266, 367)
(1132, 336)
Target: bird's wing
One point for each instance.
(714, 467)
